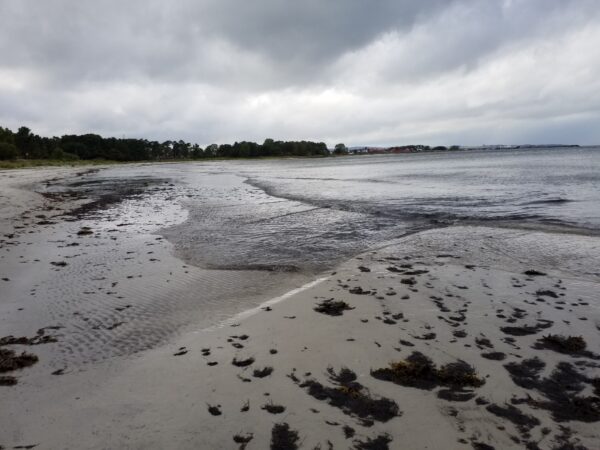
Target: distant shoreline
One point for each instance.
(45, 163)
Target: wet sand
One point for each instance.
(434, 341)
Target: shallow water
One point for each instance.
(309, 214)
(314, 213)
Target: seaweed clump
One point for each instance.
(264, 372)
(9, 360)
(560, 390)
(7, 380)
(563, 344)
(527, 330)
(494, 356)
(243, 440)
(524, 422)
(381, 442)
(273, 408)
(534, 273)
(242, 362)
(333, 307)
(284, 438)
(351, 397)
(420, 372)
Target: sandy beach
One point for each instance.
(457, 337)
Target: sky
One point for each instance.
(361, 72)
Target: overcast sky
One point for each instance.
(354, 71)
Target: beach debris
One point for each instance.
(546, 293)
(262, 373)
(85, 231)
(524, 422)
(525, 373)
(562, 344)
(59, 263)
(333, 307)
(9, 360)
(560, 390)
(40, 338)
(426, 336)
(242, 362)
(494, 356)
(349, 432)
(358, 291)
(527, 330)
(283, 437)
(7, 380)
(245, 406)
(215, 410)
(534, 273)
(351, 397)
(243, 439)
(381, 442)
(181, 351)
(420, 372)
(273, 408)
(483, 342)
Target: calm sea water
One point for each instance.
(311, 213)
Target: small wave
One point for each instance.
(549, 201)
(259, 267)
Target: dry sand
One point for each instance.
(459, 296)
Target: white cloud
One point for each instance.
(442, 72)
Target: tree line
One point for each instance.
(26, 145)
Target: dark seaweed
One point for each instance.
(333, 307)
(351, 397)
(284, 438)
(524, 422)
(381, 442)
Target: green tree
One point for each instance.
(340, 149)
(8, 151)
(211, 150)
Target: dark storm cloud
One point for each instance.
(362, 71)
(92, 41)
